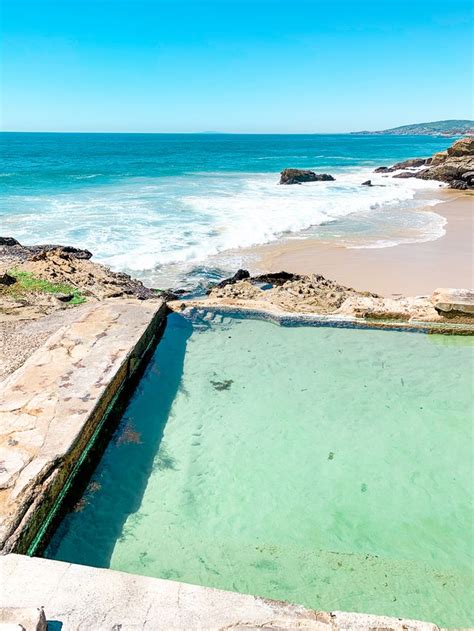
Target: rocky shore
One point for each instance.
(455, 166)
(284, 293)
(44, 287)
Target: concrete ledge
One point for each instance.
(95, 599)
(22, 619)
(51, 407)
(269, 312)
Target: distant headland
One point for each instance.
(436, 128)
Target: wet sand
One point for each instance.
(409, 269)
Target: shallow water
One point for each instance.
(159, 205)
(328, 467)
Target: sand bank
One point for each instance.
(409, 269)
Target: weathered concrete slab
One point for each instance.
(454, 301)
(51, 406)
(22, 619)
(92, 599)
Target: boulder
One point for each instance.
(412, 163)
(6, 280)
(64, 297)
(455, 166)
(367, 183)
(449, 170)
(460, 185)
(462, 147)
(297, 176)
(404, 174)
(8, 241)
(240, 274)
(276, 278)
(438, 158)
(62, 250)
(453, 302)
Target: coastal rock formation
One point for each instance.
(412, 163)
(404, 174)
(316, 295)
(297, 176)
(10, 247)
(299, 293)
(240, 274)
(454, 302)
(37, 280)
(455, 166)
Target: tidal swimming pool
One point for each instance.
(325, 466)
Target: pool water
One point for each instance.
(324, 466)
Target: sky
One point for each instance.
(244, 66)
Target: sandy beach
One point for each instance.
(408, 269)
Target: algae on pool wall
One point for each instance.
(328, 467)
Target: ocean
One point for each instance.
(179, 209)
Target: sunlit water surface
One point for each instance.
(328, 467)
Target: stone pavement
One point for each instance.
(51, 406)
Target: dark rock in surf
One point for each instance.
(460, 185)
(297, 176)
(404, 174)
(455, 166)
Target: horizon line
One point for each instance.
(228, 133)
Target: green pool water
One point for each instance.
(324, 466)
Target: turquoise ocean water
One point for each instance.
(169, 207)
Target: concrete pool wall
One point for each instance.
(53, 406)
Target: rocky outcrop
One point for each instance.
(404, 174)
(38, 280)
(454, 302)
(240, 274)
(297, 293)
(297, 176)
(276, 278)
(317, 296)
(455, 166)
(13, 248)
(412, 163)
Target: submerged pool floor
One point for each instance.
(328, 467)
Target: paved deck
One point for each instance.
(92, 599)
(51, 406)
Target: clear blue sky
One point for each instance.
(234, 65)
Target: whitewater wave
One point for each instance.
(143, 224)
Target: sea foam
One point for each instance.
(146, 224)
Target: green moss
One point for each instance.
(26, 283)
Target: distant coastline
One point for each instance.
(446, 128)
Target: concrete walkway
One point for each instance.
(79, 598)
(51, 406)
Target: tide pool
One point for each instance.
(323, 466)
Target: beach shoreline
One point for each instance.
(409, 268)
